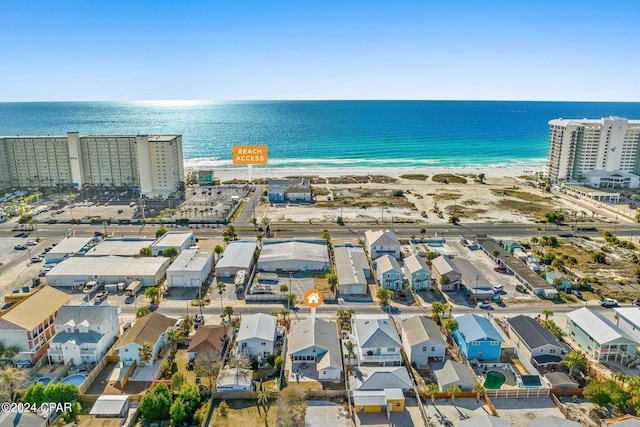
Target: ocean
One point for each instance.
(325, 133)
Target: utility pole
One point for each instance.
(289, 297)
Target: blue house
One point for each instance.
(477, 338)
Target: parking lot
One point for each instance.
(211, 203)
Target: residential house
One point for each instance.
(600, 338)
(471, 278)
(380, 378)
(277, 190)
(510, 245)
(484, 421)
(559, 280)
(299, 193)
(377, 341)
(422, 341)
(454, 373)
(352, 269)
(29, 323)
(22, 419)
(442, 267)
(84, 333)
(628, 319)
(381, 243)
(314, 349)
(536, 342)
(477, 338)
(257, 335)
(208, 341)
(417, 273)
(389, 272)
(623, 421)
(391, 399)
(152, 329)
(234, 380)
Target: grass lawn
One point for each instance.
(242, 413)
(182, 358)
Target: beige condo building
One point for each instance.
(579, 148)
(154, 164)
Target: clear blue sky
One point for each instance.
(281, 49)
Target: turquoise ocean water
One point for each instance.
(325, 133)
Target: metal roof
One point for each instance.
(552, 421)
(415, 263)
(257, 325)
(419, 329)
(125, 246)
(70, 245)
(597, 326)
(189, 260)
(109, 404)
(387, 263)
(630, 314)
(470, 274)
(108, 266)
(484, 421)
(299, 251)
(532, 333)
(173, 239)
(351, 261)
(237, 254)
(373, 333)
(476, 328)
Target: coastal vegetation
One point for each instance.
(446, 178)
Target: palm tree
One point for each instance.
(453, 391)
(575, 359)
(546, 313)
(438, 308)
(479, 390)
(451, 325)
(444, 281)
(153, 293)
(285, 314)
(284, 289)
(432, 390)
(228, 312)
(145, 353)
(11, 352)
(351, 351)
(221, 286)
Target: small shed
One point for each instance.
(111, 406)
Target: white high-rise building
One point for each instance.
(583, 150)
(154, 164)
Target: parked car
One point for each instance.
(500, 269)
(498, 288)
(577, 294)
(608, 303)
(636, 301)
(21, 235)
(485, 305)
(100, 296)
(36, 259)
(31, 243)
(20, 247)
(402, 296)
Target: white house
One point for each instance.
(417, 272)
(151, 328)
(382, 243)
(628, 319)
(422, 340)
(315, 347)
(190, 269)
(377, 340)
(180, 240)
(389, 272)
(234, 380)
(257, 335)
(84, 333)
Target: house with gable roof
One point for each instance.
(422, 340)
(257, 335)
(381, 243)
(535, 341)
(151, 328)
(208, 340)
(389, 272)
(417, 272)
(377, 340)
(477, 338)
(315, 348)
(443, 267)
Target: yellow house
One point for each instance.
(390, 399)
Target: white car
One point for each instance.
(498, 288)
(485, 305)
(31, 243)
(609, 302)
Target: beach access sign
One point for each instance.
(250, 154)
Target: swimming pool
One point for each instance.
(75, 379)
(44, 381)
(494, 380)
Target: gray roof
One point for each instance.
(190, 260)
(443, 265)
(419, 329)
(323, 335)
(233, 376)
(21, 419)
(90, 337)
(630, 314)
(257, 325)
(484, 421)
(373, 333)
(560, 379)
(286, 251)
(453, 372)
(108, 266)
(387, 263)
(628, 421)
(415, 263)
(237, 254)
(382, 377)
(381, 238)
(552, 421)
(173, 239)
(532, 333)
(109, 404)
(351, 261)
(126, 246)
(469, 272)
(476, 328)
(95, 316)
(597, 326)
(70, 245)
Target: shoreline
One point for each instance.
(495, 171)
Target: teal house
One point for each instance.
(564, 283)
(477, 338)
